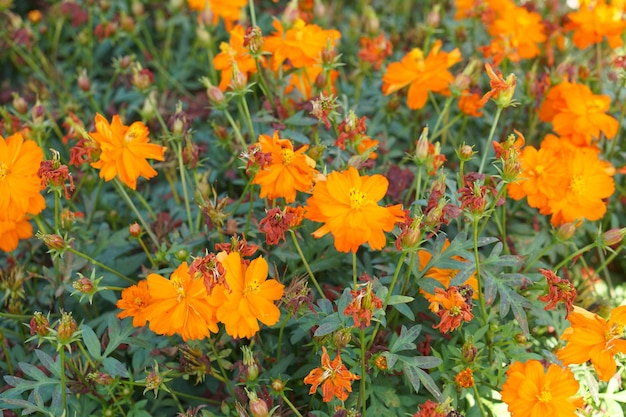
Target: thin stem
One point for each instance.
(362, 396)
(388, 296)
(488, 143)
(575, 254)
(183, 180)
(178, 404)
(293, 408)
(354, 270)
(446, 107)
(252, 12)
(306, 264)
(619, 132)
(227, 381)
(126, 197)
(63, 383)
(99, 264)
(238, 134)
(248, 117)
(7, 357)
(280, 338)
(478, 401)
(481, 296)
(145, 249)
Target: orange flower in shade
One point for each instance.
(124, 150)
(347, 204)
(375, 50)
(12, 231)
(592, 338)
(589, 183)
(250, 296)
(530, 391)
(518, 33)
(465, 378)
(289, 171)
(334, 377)
(442, 275)
(422, 74)
(181, 305)
(20, 186)
(133, 303)
(229, 10)
(593, 21)
(470, 104)
(453, 307)
(233, 54)
(302, 44)
(578, 114)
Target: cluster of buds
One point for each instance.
(427, 154)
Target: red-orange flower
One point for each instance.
(124, 151)
(452, 307)
(470, 104)
(593, 338)
(347, 204)
(302, 44)
(558, 290)
(233, 54)
(334, 377)
(133, 302)
(422, 74)
(250, 296)
(375, 50)
(530, 391)
(182, 305)
(362, 306)
(502, 89)
(465, 378)
(288, 171)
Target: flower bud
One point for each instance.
(84, 285)
(100, 378)
(249, 362)
(83, 81)
(34, 16)
(613, 237)
(469, 352)
(421, 151)
(466, 153)
(203, 36)
(239, 81)
(567, 231)
(38, 112)
(381, 363)
(278, 385)
(215, 95)
(19, 104)
(66, 328)
(137, 8)
(258, 407)
(39, 325)
(53, 242)
(433, 19)
(134, 230)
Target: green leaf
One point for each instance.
(92, 343)
(405, 310)
(406, 338)
(399, 299)
(327, 327)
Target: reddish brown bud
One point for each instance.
(134, 230)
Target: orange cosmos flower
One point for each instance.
(124, 150)
(20, 185)
(577, 113)
(12, 231)
(302, 44)
(442, 275)
(250, 296)
(423, 74)
(502, 89)
(592, 338)
(543, 177)
(518, 33)
(530, 391)
(588, 184)
(465, 378)
(133, 302)
(229, 10)
(233, 54)
(453, 306)
(375, 50)
(470, 104)
(181, 305)
(288, 171)
(334, 377)
(593, 21)
(347, 204)
(306, 78)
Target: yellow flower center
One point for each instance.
(539, 169)
(615, 332)
(4, 170)
(577, 185)
(287, 155)
(253, 287)
(545, 396)
(178, 285)
(455, 311)
(418, 57)
(138, 301)
(357, 198)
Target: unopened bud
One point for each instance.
(613, 237)
(249, 362)
(137, 8)
(258, 407)
(566, 231)
(239, 81)
(469, 352)
(342, 337)
(53, 242)
(278, 385)
(83, 81)
(19, 104)
(215, 95)
(421, 150)
(100, 378)
(433, 19)
(466, 153)
(203, 36)
(39, 325)
(66, 328)
(38, 112)
(83, 285)
(134, 230)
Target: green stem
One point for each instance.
(252, 13)
(362, 396)
(126, 197)
(226, 380)
(183, 179)
(388, 296)
(280, 338)
(478, 401)
(7, 357)
(481, 296)
(488, 143)
(293, 408)
(238, 134)
(178, 404)
(63, 383)
(145, 249)
(248, 117)
(99, 264)
(354, 270)
(95, 204)
(575, 254)
(619, 132)
(446, 107)
(306, 264)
